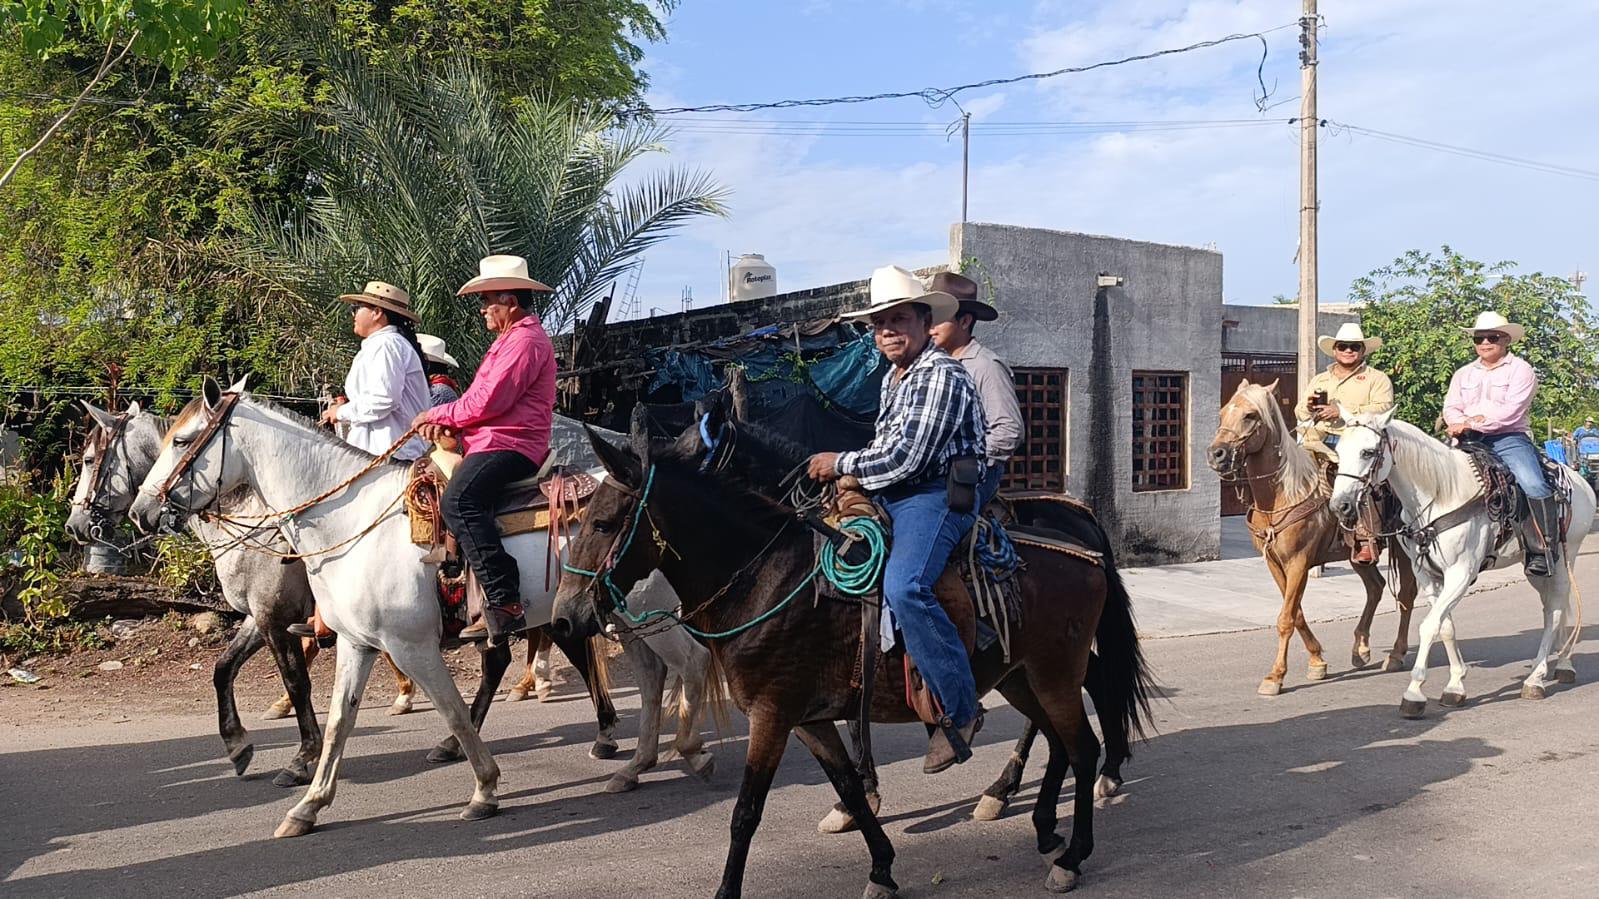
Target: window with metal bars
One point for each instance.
(1040, 462)
(1160, 430)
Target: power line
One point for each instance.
(1547, 168)
(937, 96)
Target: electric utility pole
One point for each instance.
(1308, 123)
(966, 157)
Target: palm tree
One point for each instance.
(423, 170)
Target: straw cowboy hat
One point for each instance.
(1349, 332)
(501, 273)
(435, 350)
(963, 289)
(1493, 321)
(893, 286)
(384, 296)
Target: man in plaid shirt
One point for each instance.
(929, 414)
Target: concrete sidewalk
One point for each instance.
(1237, 593)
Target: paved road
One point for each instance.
(1322, 791)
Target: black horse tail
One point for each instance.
(1124, 679)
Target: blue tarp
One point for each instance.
(848, 376)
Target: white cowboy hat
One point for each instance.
(501, 273)
(892, 286)
(1493, 321)
(435, 350)
(1348, 332)
(384, 296)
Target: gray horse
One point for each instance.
(271, 595)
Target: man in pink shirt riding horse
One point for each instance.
(503, 421)
(1492, 398)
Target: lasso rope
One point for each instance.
(852, 579)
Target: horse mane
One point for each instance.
(745, 489)
(1431, 466)
(1298, 477)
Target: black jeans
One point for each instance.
(468, 509)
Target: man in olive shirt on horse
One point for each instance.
(996, 386)
(1350, 386)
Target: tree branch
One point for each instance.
(106, 65)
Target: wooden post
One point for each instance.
(1308, 123)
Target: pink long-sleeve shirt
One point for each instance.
(1502, 395)
(511, 403)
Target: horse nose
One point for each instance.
(562, 627)
(1343, 508)
(1217, 456)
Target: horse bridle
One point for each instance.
(1368, 481)
(219, 419)
(106, 441)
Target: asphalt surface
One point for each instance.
(1322, 791)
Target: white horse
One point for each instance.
(377, 593)
(1432, 481)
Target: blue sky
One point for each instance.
(1507, 78)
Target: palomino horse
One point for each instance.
(1294, 530)
(1449, 531)
(272, 592)
(739, 561)
(356, 543)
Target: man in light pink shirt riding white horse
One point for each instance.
(503, 421)
(1492, 399)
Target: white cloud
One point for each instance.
(1501, 77)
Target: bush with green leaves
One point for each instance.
(36, 553)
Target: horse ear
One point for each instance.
(1272, 387)
(238, 386)
(212, 392)
(738, 393)
(621, 465)
(1385, 418)
(133, 409)
(101, 417)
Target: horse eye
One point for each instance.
(603, 527)
(1368, 454)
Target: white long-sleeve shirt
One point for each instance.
(387, 390)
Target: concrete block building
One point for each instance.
(1122, 350)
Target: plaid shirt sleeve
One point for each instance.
(931, 405)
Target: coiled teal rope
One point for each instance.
(856, 580)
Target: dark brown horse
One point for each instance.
(744, 569)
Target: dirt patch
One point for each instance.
(162, 665)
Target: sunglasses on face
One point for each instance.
(357, 307)
(1350, 347)
(1486, 338)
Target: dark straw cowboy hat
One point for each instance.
(963, 289)
(386, 297)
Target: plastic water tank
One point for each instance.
(751, 278)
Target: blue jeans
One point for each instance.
(1517, 451)
(987, 490)
(925, 534)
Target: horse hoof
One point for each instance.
(543, 692)
(283, 708)
(1106, 787)
(1060, 880)
(837, 821)
(1360, 659)
(1453, 700)
(517, 694)
(1532, 691)
(1411, 708)
(402, 704)
(1269, 687)
(878, 891)
(703, 766)
(241, 758)
(290, 777)
(441, 756)
(989, 808)
(1393, 663)
(602, 750)
(1565, 676)
(621, 783)
(293, 827)
(479, 811)
(1316, 672)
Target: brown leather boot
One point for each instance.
(314, 628)
(942, 753)
(497, 621)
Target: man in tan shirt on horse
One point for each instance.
(1348, 385)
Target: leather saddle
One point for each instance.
(525, 506)
(957, 587)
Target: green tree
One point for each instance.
(172, 33)
(425, 171)
(1420, 303)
